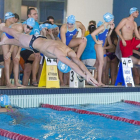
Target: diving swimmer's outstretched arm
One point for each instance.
(77, 65)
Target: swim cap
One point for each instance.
(46, 25)
(30, 22)
(54, 26)
(91, 28)
(4, 100)
(71, 19)
(63, 67)
(133, 9)
(9, 15)
(99, 23)
(108, 17)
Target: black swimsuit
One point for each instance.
(34, 37)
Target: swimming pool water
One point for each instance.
(44, 123)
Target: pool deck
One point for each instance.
(31, 90)
(34, 96)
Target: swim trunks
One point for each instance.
(34, 37)
(128, 49)
(25, 54)
(136, 55)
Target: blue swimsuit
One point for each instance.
(69, 35)
(9, 36)
(102, 36)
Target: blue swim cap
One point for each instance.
(46, 25)
(133, 9)
(30, 22)
(54, 26)
(63, 67)
(4, 100)
(99, 23)
(9, 15)
(108, 17)
(71, 19)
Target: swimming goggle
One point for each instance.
(8, 108)
(30, 28)
(70, 23)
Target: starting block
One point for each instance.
(1, 67)
(49, 75)
(125, 73)
(76, 81)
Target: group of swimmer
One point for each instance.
(51, 42)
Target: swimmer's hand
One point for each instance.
(2, 25)
(17, 58)
(138, 46)
(90, 79)
(99, 42)
(112, 26)
(50, 31)
(84, 39)
(7, 56)
(123, 42)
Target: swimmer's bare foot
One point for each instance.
(62, 84)
(102, 85)
(19, 85)
(9, 85)
(2, 25)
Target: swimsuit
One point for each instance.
(128, 49)
(102, 36)
(34, 37)
(69, 35)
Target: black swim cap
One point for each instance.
(91, 28)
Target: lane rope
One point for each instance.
(15, 136)
(60, 108)
(131, 102)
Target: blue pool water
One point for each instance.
(44, 123)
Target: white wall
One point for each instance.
(86, 10)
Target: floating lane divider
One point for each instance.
(15, 136)
(60, 108)
(131, 102)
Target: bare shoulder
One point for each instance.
(135, 23)
(18, 27)
(78, 23)
(64, 26)
(124, 20)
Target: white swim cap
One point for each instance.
(133, 9)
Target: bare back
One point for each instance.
(51, 48)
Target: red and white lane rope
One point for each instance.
(15, 136)
(131, 102)
(60, 108)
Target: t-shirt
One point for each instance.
(86, 33)
(89, 52)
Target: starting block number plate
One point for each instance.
(127, 63)
(51, 62)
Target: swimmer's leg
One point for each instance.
(7, 41)
(100, 59)
(22, 38)
(135, 60)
